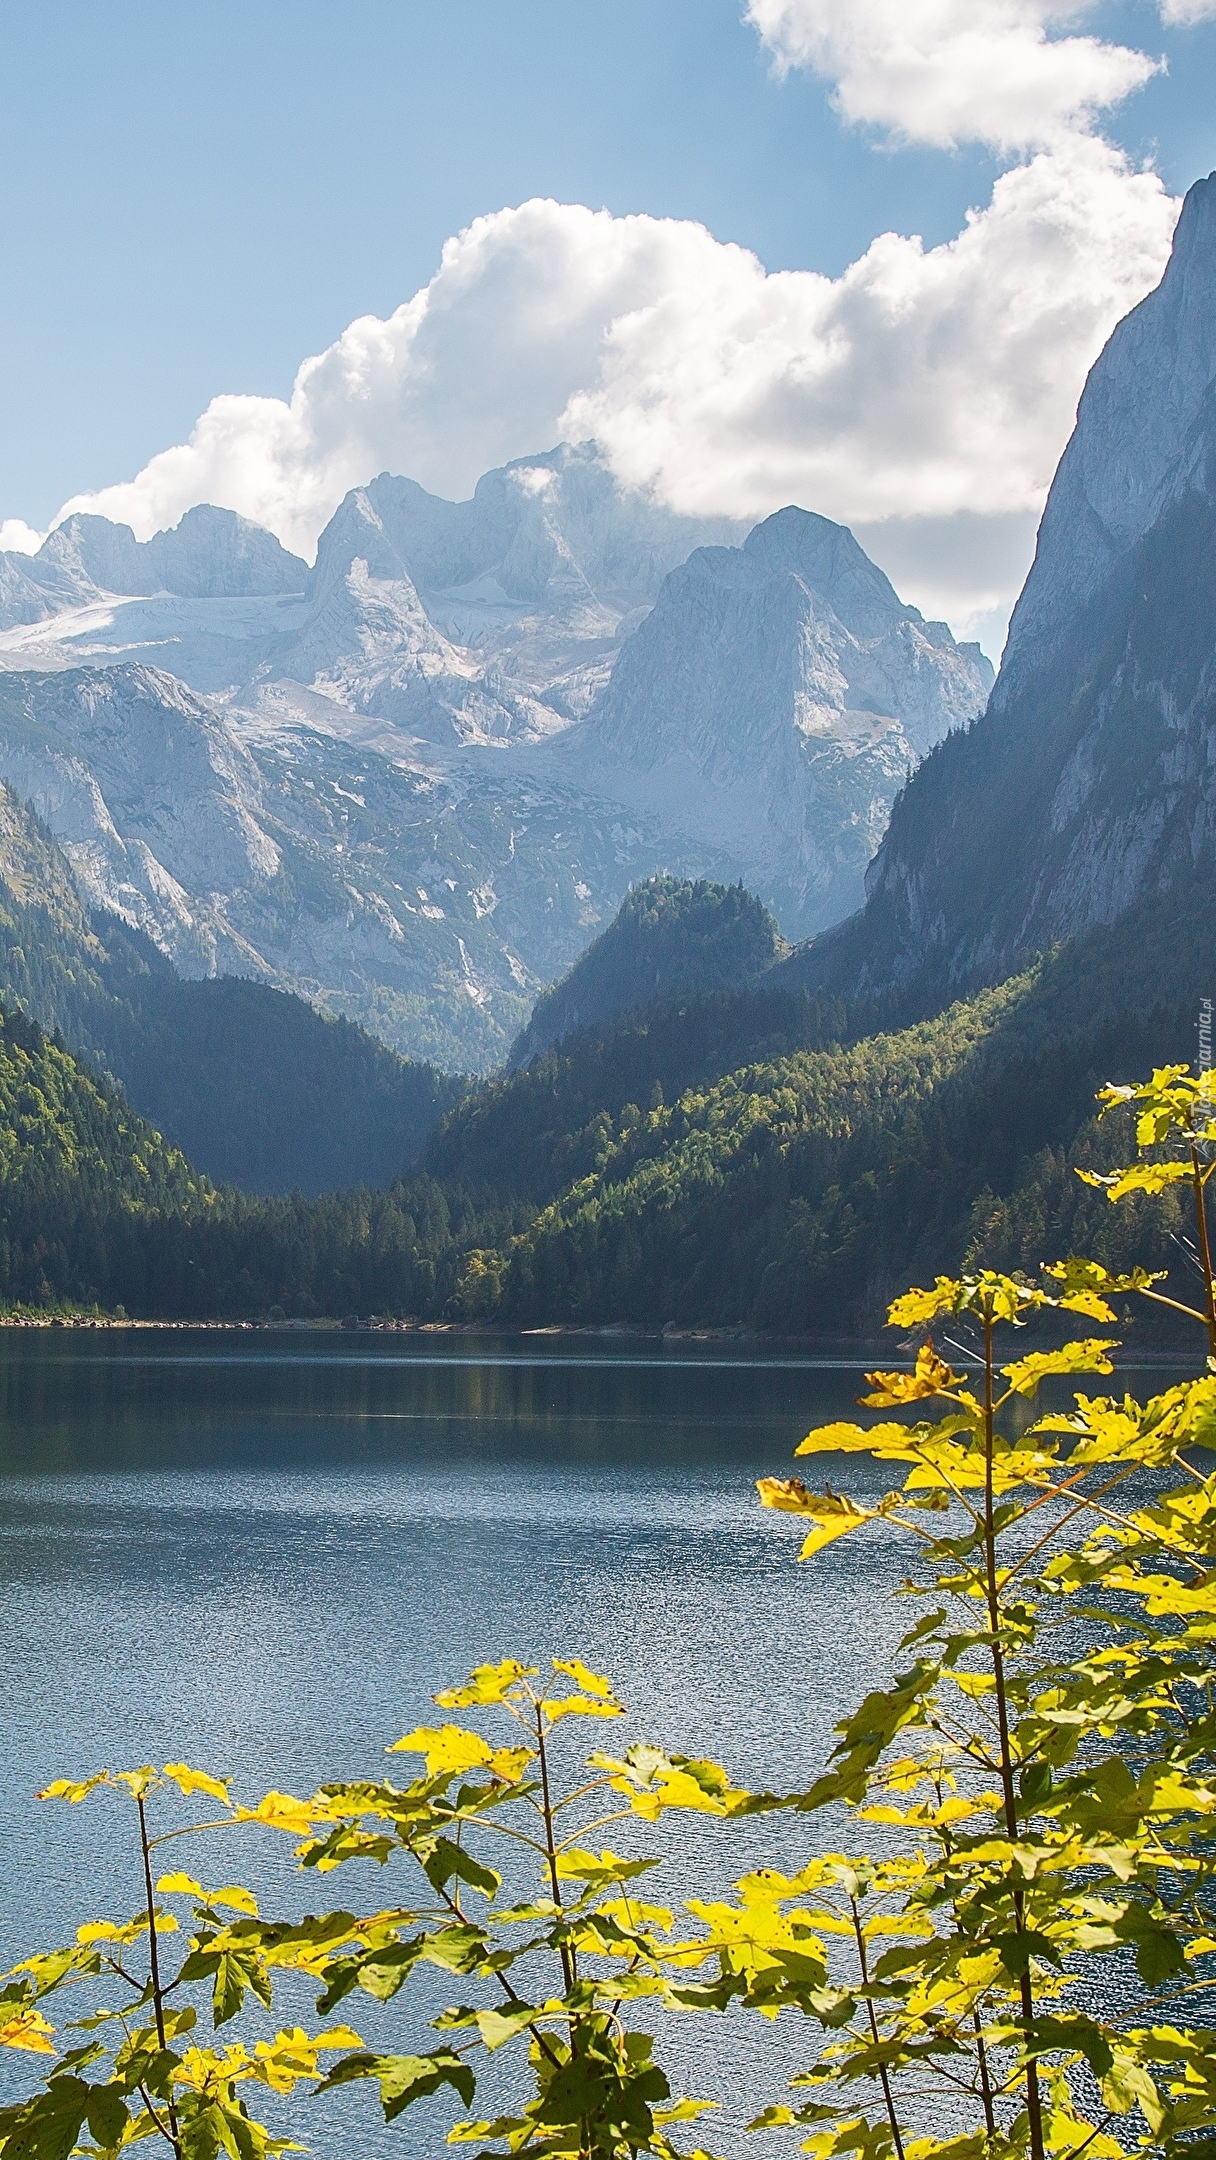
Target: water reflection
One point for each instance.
(265, 1558)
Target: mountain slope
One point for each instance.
(255, 1087)
(413, 783)
(71, 1154)
(427, 903)
(670, 937)
(797, 1191)
(97, 1209)
(771, 705)
(1091, 780)
(792, 1192)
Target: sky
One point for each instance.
(852, 253)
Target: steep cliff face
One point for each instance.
(1090, 782)
(1135, 421)
(773, 702)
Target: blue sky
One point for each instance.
(197, 197)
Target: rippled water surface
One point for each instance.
(265, 1554)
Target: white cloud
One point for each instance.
(1187, 11)
(922, 381)
(952, 71)
(923, 384)
(18, 538)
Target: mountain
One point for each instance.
(480, 621)
(412, 783)
(670, 937)
(255, 1087)
(430, 904)
(97, 1210)
(1089, 785)
(773, 702)
(756, 1160)
(211, 554)
(492, 619)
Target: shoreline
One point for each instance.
(865, 1349)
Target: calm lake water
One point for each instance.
(265, 1554)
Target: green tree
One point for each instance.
(548, 1968)
(1025, 1964)
(1029, 1971)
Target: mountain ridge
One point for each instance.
(416, 803)
(1089, 781)
(254, 1087)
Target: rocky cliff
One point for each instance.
(773, 703)
(1090, 782)
(415, 781)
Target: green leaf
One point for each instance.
(1159, 1955)
(233, 1975)
(1016, 1951)
(1034, 1784)
(107, 2115)
(444, 1862)
(405, 2078)
(1079, 2033)
(48, 2126)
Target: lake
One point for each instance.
(263, 1553)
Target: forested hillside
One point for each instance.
(784, 1189)
(96, 1209)
(73, 1157)
(670, 936)
(790, 1194)
(254, 1086)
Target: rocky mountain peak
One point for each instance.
(832, 564)
(1142, 399)
(774, 700)
(1088, 788)
(211, 554)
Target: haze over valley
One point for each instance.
(412, 781)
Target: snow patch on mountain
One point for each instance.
(417, 778)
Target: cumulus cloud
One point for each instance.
(1187, 11)
(947, 72)
(922, 385)
(921, 382)
(18, 538)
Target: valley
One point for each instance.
(413, 789)
(542, 789)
